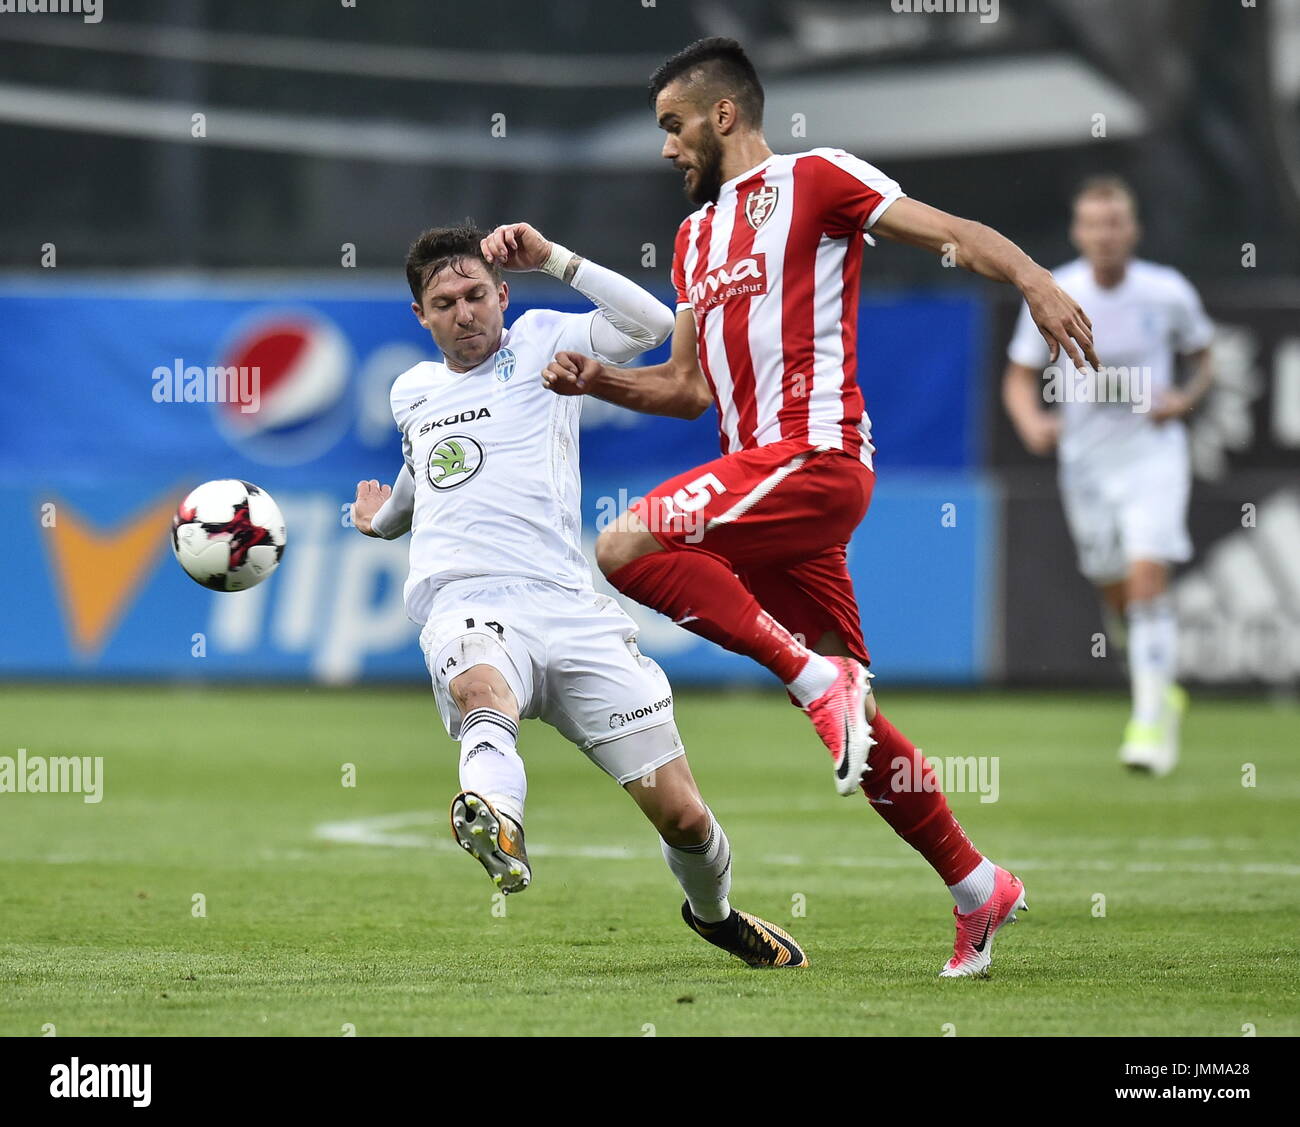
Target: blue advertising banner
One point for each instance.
(158, 379)
(102, 595)
(123, 399)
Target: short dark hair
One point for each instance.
(722, 70)
(440, 247)
(1107, 186)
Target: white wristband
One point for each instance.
(557, 261)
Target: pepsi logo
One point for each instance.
(302, 364)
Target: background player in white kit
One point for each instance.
(1124, 470)
(512, 627)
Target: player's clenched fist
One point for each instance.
(516, 246)
(571, 373)
(370, 499)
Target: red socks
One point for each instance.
(702, 594)
(901, 787)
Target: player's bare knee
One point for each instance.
(474, 693)
(619, 544)
(1146, 582)
(609, 550)
(684, 823)
(481, 687)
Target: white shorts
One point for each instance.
(1126, 511)
(569, 657)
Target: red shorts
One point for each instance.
(780, 517)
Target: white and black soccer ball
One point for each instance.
(228, 535)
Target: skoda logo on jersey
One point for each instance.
(453, 461)
(760, 204)
(505, 365)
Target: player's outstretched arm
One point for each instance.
(385, 511)
(676, 388)
(980, 249)
(630, 321)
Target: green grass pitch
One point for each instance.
(330, 908)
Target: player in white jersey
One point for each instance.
(512, 628)
(1124, 471)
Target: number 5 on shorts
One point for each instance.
(695, 494)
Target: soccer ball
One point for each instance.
(228, 535)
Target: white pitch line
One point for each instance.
(381, 831)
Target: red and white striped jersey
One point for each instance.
(772, 273)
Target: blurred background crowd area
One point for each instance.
(324, 118)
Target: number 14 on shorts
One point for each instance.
(451, 663)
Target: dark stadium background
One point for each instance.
(329, 125)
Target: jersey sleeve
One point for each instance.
(680, 244)
(399, 407)
(552, 331)
(1027, 346)
(1192, 328)
(854, 194)
(629, 318)
(396, 515)
(572, 332)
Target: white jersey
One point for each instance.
(494, 456)
(1138, 327)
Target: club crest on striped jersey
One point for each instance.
(760, 203)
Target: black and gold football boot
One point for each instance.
(755, 941)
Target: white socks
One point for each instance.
(489, 763)
(704, 872)
(1152, 655)
(973, 890)
(813, 680)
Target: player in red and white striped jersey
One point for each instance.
(771, 273)
(749, 550)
